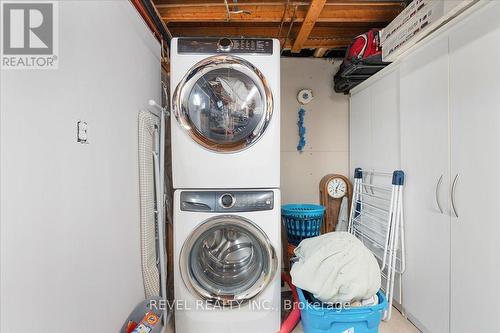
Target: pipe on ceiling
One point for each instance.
(148, 12)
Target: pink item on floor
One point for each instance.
(293, 318)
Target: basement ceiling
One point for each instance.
(315, 27)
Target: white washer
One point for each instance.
(227, 250)
(226, 115)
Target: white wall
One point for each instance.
(327, 126)
(70, 246)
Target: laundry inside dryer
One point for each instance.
(225, 105)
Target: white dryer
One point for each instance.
(227, 261)
(226, 116)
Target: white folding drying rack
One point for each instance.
(377, 220)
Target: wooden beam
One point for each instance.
(215, 3)
(328, 43)
(346, 12)
(310, 20)
(266, 30)
(219, 14)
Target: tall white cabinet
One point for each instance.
(425, 160)
(475, 172)
(449, 135)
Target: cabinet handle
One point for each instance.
(453, 186)
(371, 182)
(438, 185)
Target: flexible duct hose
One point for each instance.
(293, 318)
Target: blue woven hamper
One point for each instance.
(302, 221)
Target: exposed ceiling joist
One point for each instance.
(329, 43)
(310, 20)
(298, 24)
(274, 13)
(264, 30)
(219, 3)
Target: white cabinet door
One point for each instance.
(374, 125)
(424, 158)
(374, 131)
(475, 160)
(360, 130)
(385, 123)
(385, 136)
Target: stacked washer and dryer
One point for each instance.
(226, 176)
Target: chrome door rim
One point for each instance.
(227, 300)
(207, 65)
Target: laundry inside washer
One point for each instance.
(227, 260)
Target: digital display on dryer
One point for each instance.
(213, 45)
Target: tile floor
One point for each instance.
(397, 324)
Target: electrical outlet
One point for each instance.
(81, 128)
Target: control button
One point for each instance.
(225, 44)
(227, 200)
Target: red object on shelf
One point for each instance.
(365, 46)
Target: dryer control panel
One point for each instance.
(226, 201)
(225, 45)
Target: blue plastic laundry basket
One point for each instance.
(363, 319)
(302, 221)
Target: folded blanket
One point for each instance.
(336, 267)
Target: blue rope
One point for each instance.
(302, 130)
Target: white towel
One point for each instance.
(336, 267)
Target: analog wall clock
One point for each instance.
(337, 188)
(333, 189)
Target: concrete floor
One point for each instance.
(397, 324)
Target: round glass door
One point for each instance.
(227, 259)
(224, 103)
